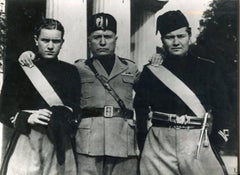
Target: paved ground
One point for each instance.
(231, 164)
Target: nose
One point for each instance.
(50, 45)
(102, 41)
(176, 41)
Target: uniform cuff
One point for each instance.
(21, 123)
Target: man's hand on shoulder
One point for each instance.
(26, 58)
(156, 59)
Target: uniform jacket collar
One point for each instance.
(118, 68)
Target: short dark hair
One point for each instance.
(48, 23)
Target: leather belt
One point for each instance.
(161, 119)
(157, 123)
(107, 112)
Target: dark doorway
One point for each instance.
(22, 15)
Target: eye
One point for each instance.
(107, 36)
(181, 36)
(45, 40)
(56, 41)
(169, 37)
(97, 37)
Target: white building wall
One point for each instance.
(73, 15)
(144, 39)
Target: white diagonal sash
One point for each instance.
(42, 85)
(179, 88)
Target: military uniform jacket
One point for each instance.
(100, 136)
(199, 74)
(19, 94)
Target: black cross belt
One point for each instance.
(160, 119)
(108, 112)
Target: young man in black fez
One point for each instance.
(178, 97)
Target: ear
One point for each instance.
(116, 37)
(89, 41)
(62, 42)
(162, 39)
(36, 40)
(163, 44)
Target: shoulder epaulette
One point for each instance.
(206, 59)
(79, 60)
(125, 60)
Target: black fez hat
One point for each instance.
(102, 21)
(170, 21)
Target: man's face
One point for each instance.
(102, 42)
(49, 43)
(177, 42)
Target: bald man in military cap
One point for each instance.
(178, 97)
(105, 140)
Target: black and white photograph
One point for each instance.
(119, 87)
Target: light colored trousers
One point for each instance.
(106, 165)
(170, 151)
(34, 154)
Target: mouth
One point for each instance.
(102, 50)
(49, 53)
(176, 49)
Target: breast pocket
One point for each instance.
(128, 82)
(87, 87)
(128, 79)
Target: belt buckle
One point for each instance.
(181, 120)
(108, 111)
